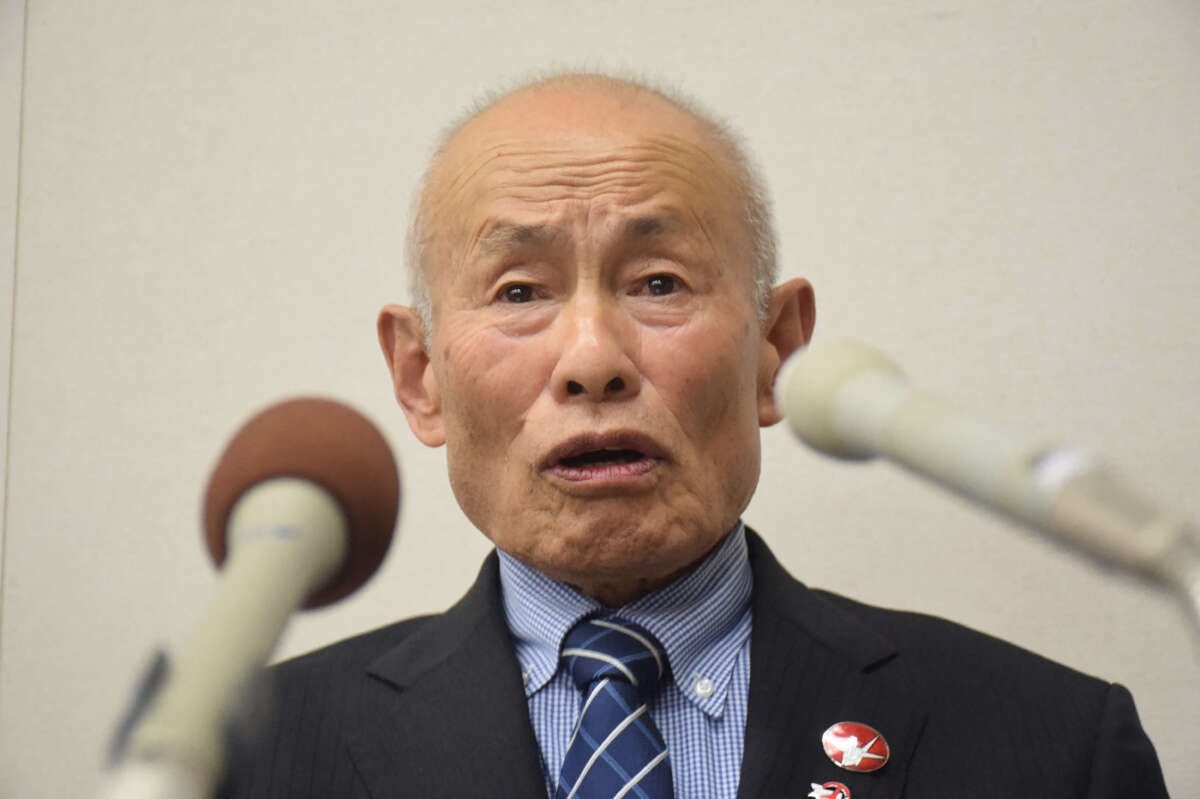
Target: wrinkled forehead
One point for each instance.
(558, 150)
(578, 115)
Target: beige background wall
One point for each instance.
(1004, 195)
(11, 53)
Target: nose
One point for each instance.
(596, 362)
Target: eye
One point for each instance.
(661, 285)
(517, 293)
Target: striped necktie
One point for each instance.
(616, 750)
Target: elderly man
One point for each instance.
(595, 342)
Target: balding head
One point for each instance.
(571, 104)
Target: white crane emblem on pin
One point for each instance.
(856, 747)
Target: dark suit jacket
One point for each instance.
(434, 707)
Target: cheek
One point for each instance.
(712, 384)
(488, 385)
(485, 383)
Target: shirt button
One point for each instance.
(704, 687)
(525, 677)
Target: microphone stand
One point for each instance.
(173, 743)
(1100, 516)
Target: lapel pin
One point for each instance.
(855, 747)
(829, 790)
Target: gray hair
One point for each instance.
(757, 216)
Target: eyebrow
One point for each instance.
(643, 227)
(505, 237)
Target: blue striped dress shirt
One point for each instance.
(703, 622)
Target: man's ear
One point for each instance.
(402, 338)
(791, 314)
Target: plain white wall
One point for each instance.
(1003, 195)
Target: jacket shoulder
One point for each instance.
(986, 717)
(351, 656)
(932, 642)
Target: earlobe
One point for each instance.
(402, 339)
(791, 315)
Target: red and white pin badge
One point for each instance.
(856, 747)
(829, 790)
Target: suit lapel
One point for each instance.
(452, 719)
(813, 665)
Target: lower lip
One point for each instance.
(605, 473)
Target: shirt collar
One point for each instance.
(702, 620)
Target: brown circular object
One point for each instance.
(331, 445)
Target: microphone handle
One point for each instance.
(287, 536)
(851, 401)
(1063, 492)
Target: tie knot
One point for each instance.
(598, 649)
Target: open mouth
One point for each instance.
(602, 457)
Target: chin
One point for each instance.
(624, 555)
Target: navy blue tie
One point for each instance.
(616, 750)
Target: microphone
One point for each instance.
(849, 400)
(300, 510)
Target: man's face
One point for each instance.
(597, 368)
